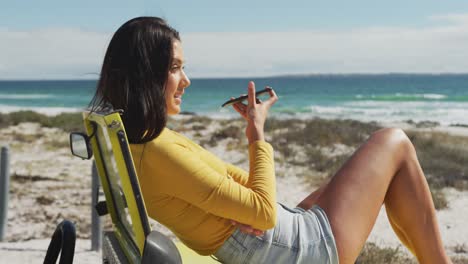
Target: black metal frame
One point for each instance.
(63, 243)
(87, 139)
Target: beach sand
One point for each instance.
(48, 185)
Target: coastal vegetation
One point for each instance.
(65, 121)
(320, 146)
(373, 254)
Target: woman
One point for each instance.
(216, 208)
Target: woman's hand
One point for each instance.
(246, 229)
(255, 112)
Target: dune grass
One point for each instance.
(372, 254)
(66, 121)
(319, 145)
(444, 158)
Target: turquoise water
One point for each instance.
(391, 97)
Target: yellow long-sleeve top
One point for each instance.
(194, 193)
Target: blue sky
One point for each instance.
(241, 15)
(62, 40)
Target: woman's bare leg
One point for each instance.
(384, 170)
(312, 199)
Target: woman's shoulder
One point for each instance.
(168, 139)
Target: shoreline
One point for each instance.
(225, 114)
(49, 185)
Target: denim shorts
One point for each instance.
(300, 236)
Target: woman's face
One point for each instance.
(177, 81)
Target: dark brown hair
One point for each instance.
(134, 74)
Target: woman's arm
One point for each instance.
(255, 114)
(238, 174)
(189, 178)
(182, 174)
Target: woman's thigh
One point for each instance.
(354, 196)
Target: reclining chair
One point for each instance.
(131, 240)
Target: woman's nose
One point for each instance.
(186, 81)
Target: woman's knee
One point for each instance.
(393, 139)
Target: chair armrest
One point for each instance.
(160, 249)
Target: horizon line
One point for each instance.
(294, 75)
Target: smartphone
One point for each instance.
(244, 97)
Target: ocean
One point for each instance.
(440, 98)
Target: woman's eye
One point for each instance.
(176, 68)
